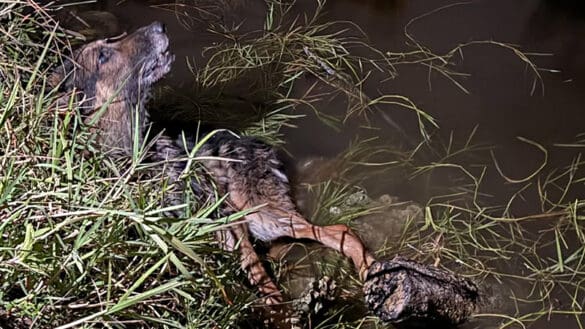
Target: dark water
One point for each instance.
(500, 102)
(503, 102)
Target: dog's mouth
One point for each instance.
(159, 62)
(158, 66)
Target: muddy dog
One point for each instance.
(115, 75)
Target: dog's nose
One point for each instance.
(158, 27)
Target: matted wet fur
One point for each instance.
(114, 77)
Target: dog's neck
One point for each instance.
(120, 124)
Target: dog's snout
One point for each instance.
(158, 27)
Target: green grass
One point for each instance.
(85, 243)
(84, 240)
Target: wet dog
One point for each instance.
(114, 77)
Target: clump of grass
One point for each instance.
(84, 240)
(266, 66)
(530, 265)
(329, 59)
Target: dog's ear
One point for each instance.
(60, 78)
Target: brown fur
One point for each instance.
(114, 76)
(251, 178)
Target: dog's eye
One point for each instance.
(104, 55)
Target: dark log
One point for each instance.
(410, 293)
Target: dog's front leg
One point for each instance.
(237, 237)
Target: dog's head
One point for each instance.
(121, 67)
(114, 76)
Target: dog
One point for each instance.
(114, 76)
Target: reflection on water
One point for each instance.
(503, 102)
